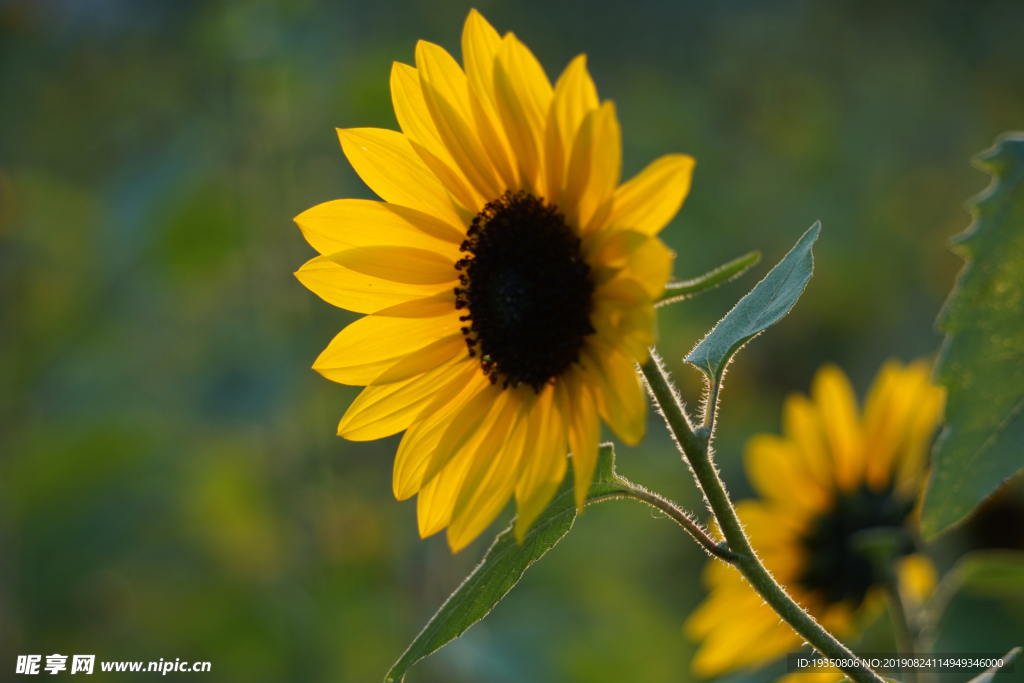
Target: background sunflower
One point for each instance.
(836, 473)
(169, 479)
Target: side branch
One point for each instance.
(683, 519)
(694, 447)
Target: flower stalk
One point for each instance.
(901, 626)
(680, 517)
(695, 448)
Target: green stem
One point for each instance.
(679, 516)
(695, 449)
(901, 627)
(686, 289)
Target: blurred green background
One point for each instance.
(170, 482)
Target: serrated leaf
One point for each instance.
(982, 360)
(762, 307)
(687, 289)
(503, 565)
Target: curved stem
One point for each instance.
(671, 510)
(694, 447)
(680, 516)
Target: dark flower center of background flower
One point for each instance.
(836, 568)
(527, 290)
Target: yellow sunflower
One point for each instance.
(508, 280)
(835, 472)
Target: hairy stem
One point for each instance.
(683, 519)
(628, 489)
(695, 449)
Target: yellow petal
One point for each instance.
(421, 439)
(755, 640)
(361, 352)
(575, 96)
(426, 359)
(523, 94)
(387, 163)
(544, 460)
(414, 118)
(827, 676)
(605, 169)
(446, 93)
(648, 201)
(901, 412)
(837, 405)
(623, 314)
(774, 468)
(362, 293)
(399, 264)
(381, 411)
(462, 428)
(917, 578)
(480, 44)
(730, 643)
(886, 411)
(921, 430)
(435, 506)
(594, 167)
(802, 425)
(644, 258)
(490, 481)
(577, 174)
(427, 307)
(345, 223)
(584, 435)
(774, 529)
(435, 501)
(620, 398)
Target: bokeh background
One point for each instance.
(170, 482)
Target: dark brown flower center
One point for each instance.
(836, 568)
(526, 289)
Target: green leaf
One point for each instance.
(503, 565)
(983, 573)
(687, 289)
(762, 307)
(982, 360)
(987, 675)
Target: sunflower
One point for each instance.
(507, 277)
(834, 473)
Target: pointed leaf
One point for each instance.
(982, 360)
(503, 565)
(687, 289)
(762, 307)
